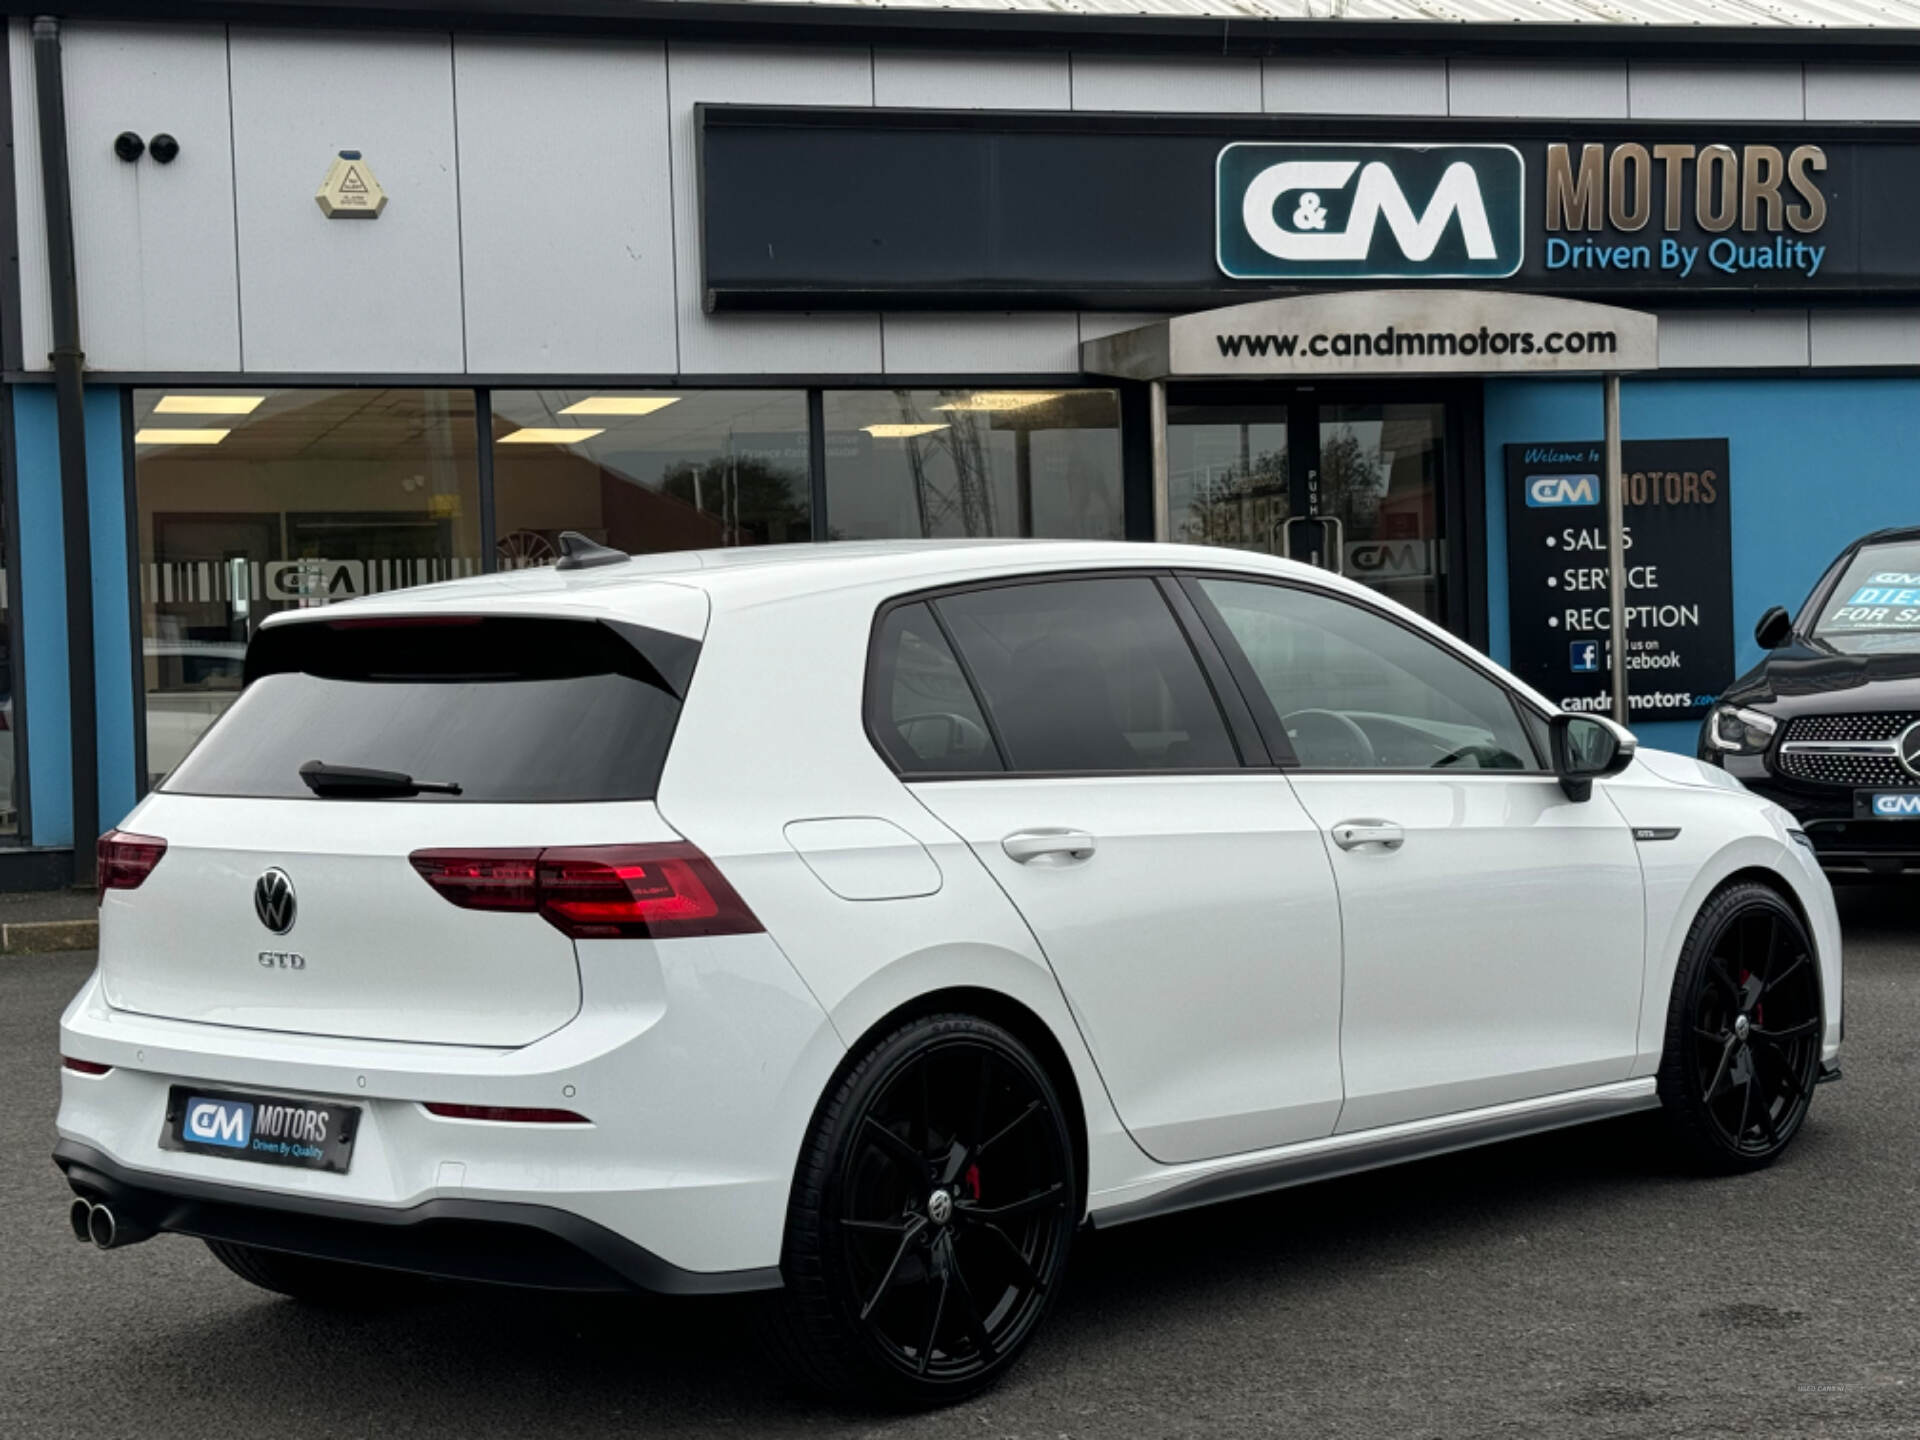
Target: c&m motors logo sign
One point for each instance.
(1369, 212)
(1546, 491)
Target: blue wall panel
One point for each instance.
(43, 617)
(1816, 463)
(43, 610)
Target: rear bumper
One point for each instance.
(696, 1063)
(489, 1241)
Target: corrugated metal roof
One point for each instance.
(1664, 14)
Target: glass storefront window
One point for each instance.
(1354, 487)
(254, 501)
(1380, 471)
(641, 471)
(1227, 477)
(973, 462)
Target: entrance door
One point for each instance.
(1359, 481)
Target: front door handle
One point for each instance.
(1359, 834)
(1048, 847)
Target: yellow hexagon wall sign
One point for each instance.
(350, 192)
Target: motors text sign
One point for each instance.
(811, 208)
(1679, 576)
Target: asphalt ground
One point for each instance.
(1566, 1285)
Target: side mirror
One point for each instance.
(1774, 629)
(1586, 748)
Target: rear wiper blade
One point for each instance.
(353, 780)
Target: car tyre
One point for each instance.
(333, 1284)
(931, 1215)
(1742, 1047)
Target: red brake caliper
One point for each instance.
(1758, 1018)
(972, 1178)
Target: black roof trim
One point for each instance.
(829, 24)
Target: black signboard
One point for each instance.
(814, 207)
(1679, 574)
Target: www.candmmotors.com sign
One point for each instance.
(1383, 332)
(1370, 212)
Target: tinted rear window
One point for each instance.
(508, 709)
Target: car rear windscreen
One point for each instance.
(507, 709)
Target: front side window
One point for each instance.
(1088, 675)
(1875, 609)
(1355, 691)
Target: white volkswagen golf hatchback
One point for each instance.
(857, 922)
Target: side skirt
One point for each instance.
(1187, 1186)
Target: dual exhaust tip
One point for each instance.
(95, 1223)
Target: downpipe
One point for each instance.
(98, 1225)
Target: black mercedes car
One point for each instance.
(1828, 725)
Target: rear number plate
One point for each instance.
(1886, 804)
(267, 1129)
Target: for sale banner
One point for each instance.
(1679, 574)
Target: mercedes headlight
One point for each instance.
(1738, 731)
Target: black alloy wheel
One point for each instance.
(1742, 1050)
(931, 1217)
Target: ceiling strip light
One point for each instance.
(163, 436)
(903, 431)
(993, 400)
(208, 404)
(548, 435)
(620, 404)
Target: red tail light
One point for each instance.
(595, 892)
(84, 1067)
(125, 860)
(507, 1114)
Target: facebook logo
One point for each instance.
(1583, 656)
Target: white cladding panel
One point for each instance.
(960, 343)
(30, 214)
(1732, 339)
(1144, 82)
(566, 215)
(153, 242)
(347, 295)
(948, 81)
(1864, 337)
(758, 344)
(1863, 92)
(1327, 85)
(1715, 92)
(1554, 89)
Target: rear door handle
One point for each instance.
(1356, 834)
(1048, 847)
